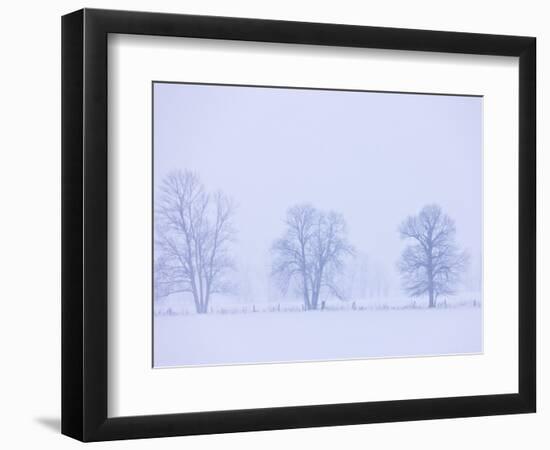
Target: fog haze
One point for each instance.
(373, 157)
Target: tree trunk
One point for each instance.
(197, 302)
(430, 279)
(314, 299)
(432, 297)
(207, 297)
(306, 294)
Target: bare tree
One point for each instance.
(432, 264)
(192, 233)
(311, 253)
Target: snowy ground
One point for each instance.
(178, 304)
(212, 339)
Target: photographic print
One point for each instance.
(300, 224)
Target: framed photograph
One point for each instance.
(272, 224)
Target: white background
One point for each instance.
(136, 389)
(30, 194)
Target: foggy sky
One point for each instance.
(374, 157)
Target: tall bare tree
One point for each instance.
(311, 253)
(192, 234)
(432, 264)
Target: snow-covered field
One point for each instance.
(263, 337)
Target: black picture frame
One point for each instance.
(85, 236)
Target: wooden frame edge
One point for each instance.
(84, 225)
